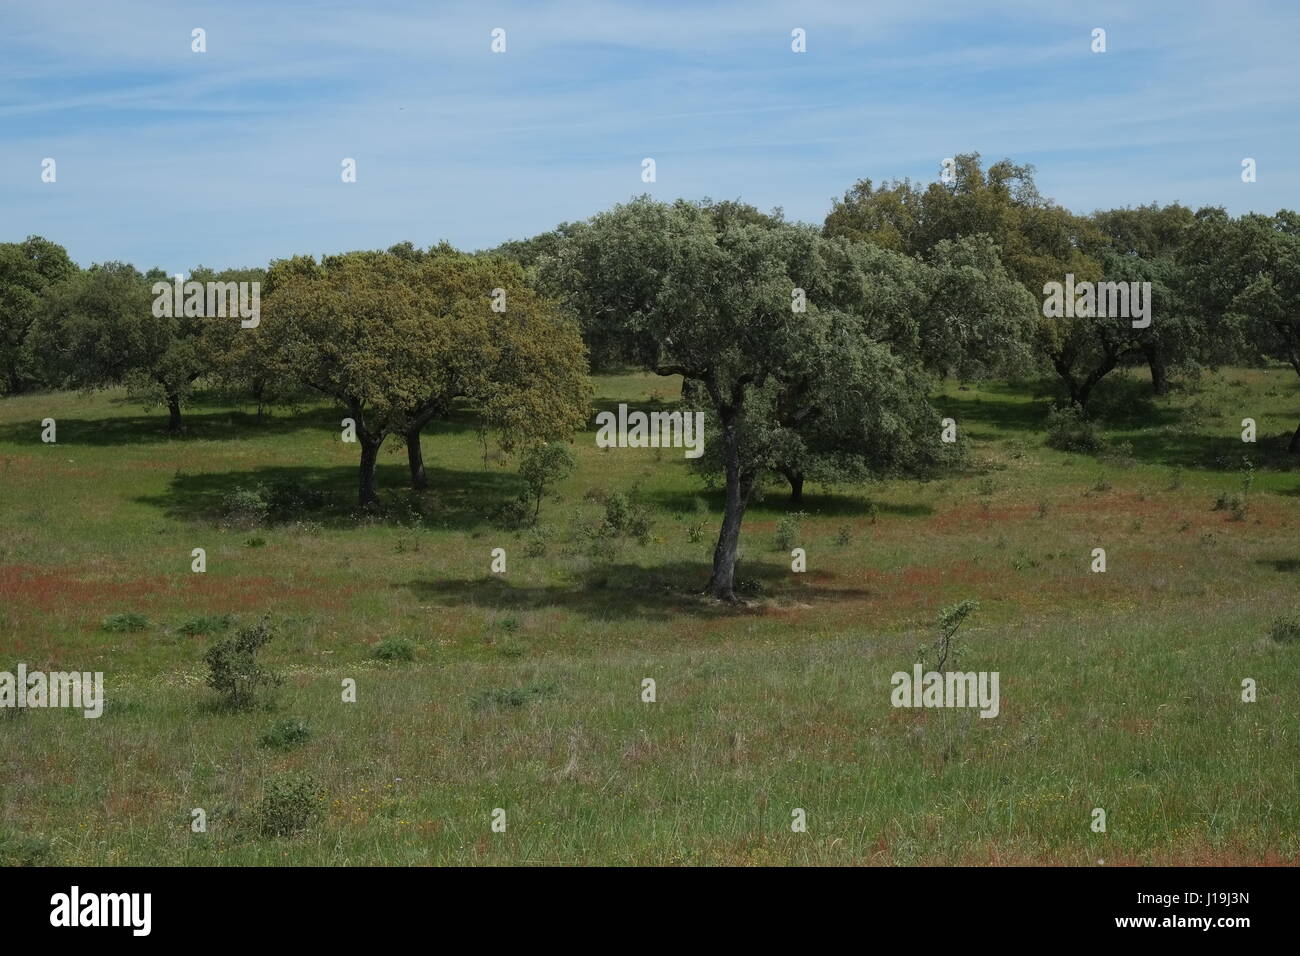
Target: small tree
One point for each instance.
(950, 619)
(233, 669)
(542, 466)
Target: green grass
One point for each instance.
(1119, 690)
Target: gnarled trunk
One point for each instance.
(415, 458)
(414, 453)
(1081, 391)
(369, 459)
(1159, 371)
(174, 414)
(796, 486)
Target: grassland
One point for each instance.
(1119, 690)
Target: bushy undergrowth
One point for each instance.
(234, 671)
(1069, 429)
(290, 803)
(123, 623)
(270, 502)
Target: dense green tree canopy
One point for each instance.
(27, 269)
(1040, 242)
(396, 341)
(711, 298)
(98, 328)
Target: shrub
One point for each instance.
(246, 505)
(624, 515)
(514, 697)
(944, 650)
(233, 670)
(1121, 454)
(121, 623)
(18, 850)
(638, 527)
(290, 803)
(285, 733)
(844, 535)
(787, 530)
(1235, 505)
(515, 513)
(535, 546)
(1286, 629)
(542, 466)
(695, 533)
(395, 650)
(618, 511)
(286, 500)
(1068, 429)
(207, 624)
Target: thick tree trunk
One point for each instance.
(722, 584)
(1294, 447)
(1159, 371)
(1081, 391)
(796, 487)
(415, 457)
(174, 414)
(369, 459)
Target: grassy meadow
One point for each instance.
(1120, 690)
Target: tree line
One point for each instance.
(814, 348)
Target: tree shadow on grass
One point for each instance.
(454, 499)
(1210, 452)
(1148, 428)
(1015, 416)
(630, 591)
(207, 417)
(776, 502)
(1282, 565)
(145, 428)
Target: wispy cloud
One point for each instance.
(231, 157)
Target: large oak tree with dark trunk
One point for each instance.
(396, 340)
(709, 297)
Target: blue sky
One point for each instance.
(232, 157)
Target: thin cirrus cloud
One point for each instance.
(232, 157)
